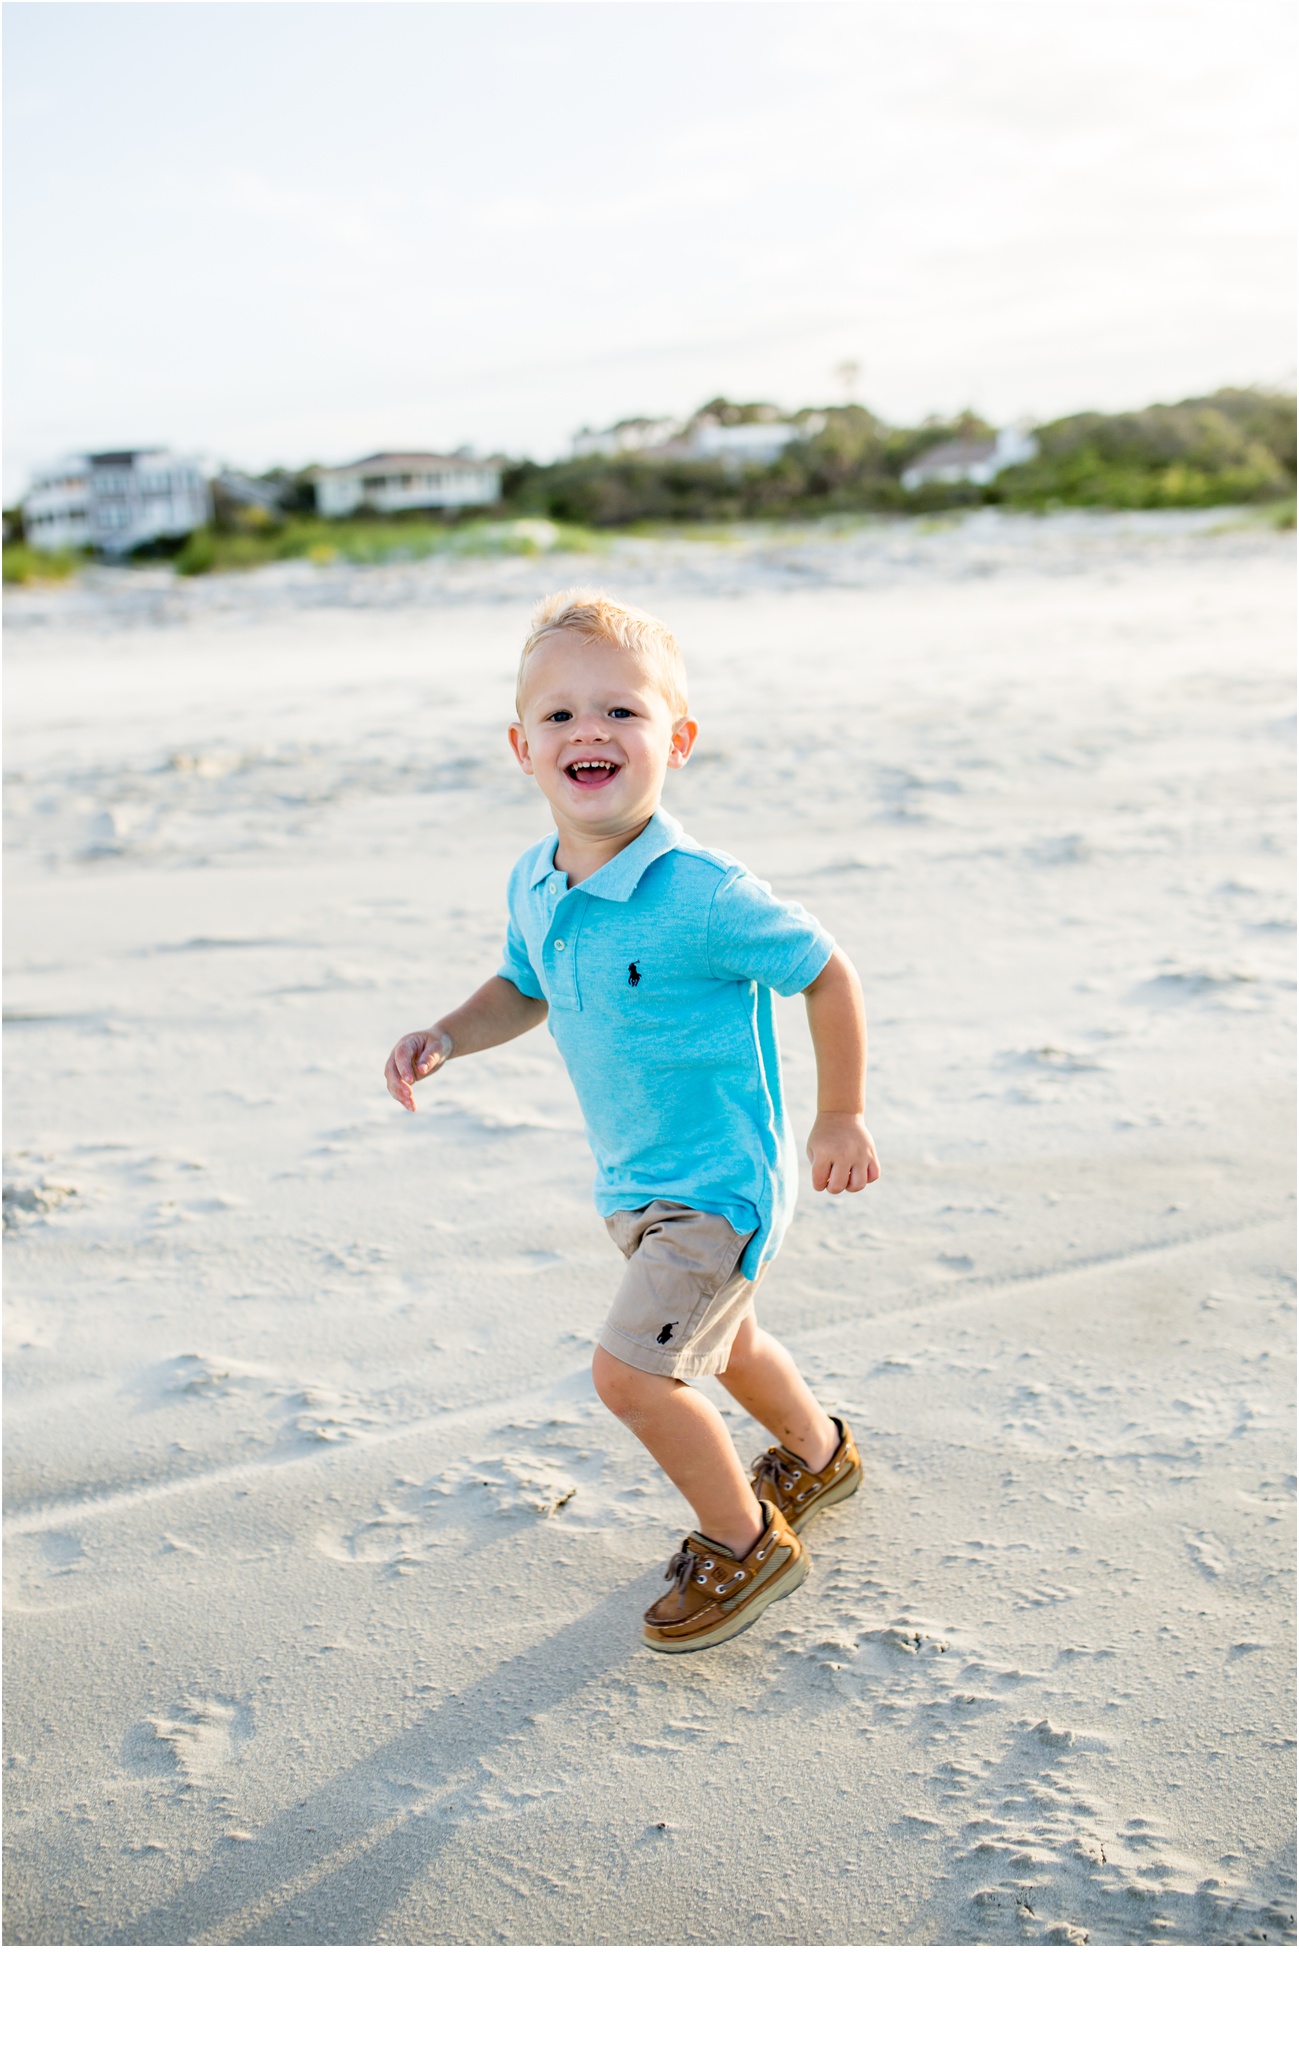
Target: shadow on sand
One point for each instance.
(331, 1868)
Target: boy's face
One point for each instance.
(598, 735)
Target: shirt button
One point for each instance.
(552, 888)
(559, 945)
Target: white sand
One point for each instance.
(324, 1565)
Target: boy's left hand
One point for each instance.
(842, 1152)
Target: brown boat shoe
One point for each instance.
(799, 1493)
(715, 1595)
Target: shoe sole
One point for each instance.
(735, 1624)
(847, 1486)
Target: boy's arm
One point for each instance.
(494, 1013)
(840, 1148)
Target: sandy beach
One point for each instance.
(324, 1565)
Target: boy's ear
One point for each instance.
(519, 743)
(683, 740)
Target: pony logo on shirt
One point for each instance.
(633, 976)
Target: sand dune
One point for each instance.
(324, 1565)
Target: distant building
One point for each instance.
(701, 439)
(116, 501)
(406, 483)
(973, 461)
(628, 437)
(757, 441)
(56, 510)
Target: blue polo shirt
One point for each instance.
(659, 971)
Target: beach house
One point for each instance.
(406, 483)
(703, 438)
(973, 461)
(115, 501)
(627, 437)
(760, 442)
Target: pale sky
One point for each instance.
(283, 232)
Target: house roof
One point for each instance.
(397, 465)
(120, 458)
(950, 453)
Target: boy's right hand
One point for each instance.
(412, 1059)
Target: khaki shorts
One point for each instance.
(682, 1297)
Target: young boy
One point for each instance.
(653, 960)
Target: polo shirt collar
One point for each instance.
(618, 877)
(543, 867)
(616, 880)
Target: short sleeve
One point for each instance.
(515, 965)
(752, 936)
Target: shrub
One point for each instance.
(373, 540)
(199, 553)
(31, 565)
(1233, 448)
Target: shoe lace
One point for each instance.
(776, 1466)
(681, 1568)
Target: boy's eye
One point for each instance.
(620, 711)
(560, 717)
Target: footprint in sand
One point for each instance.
(399, 1537)
(1048, 1863)
(204, 1736)
(310, 1417)
(30, 1196)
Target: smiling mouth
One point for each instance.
(592, 774)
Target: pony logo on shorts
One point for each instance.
(633, 976)
(665, 1334)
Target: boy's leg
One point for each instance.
(683, 1432)
(763, 1378)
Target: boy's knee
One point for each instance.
(621, 1387)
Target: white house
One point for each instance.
(406, 483)
(56, 509)
(971, 462)
(628, 437)
(115, 501)
(757, 441)
(702, 439)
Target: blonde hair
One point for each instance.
(593, 615)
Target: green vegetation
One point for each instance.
(373, 541)
(853, 463)
(254, 541)
(1233, 448)
(28, 565)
